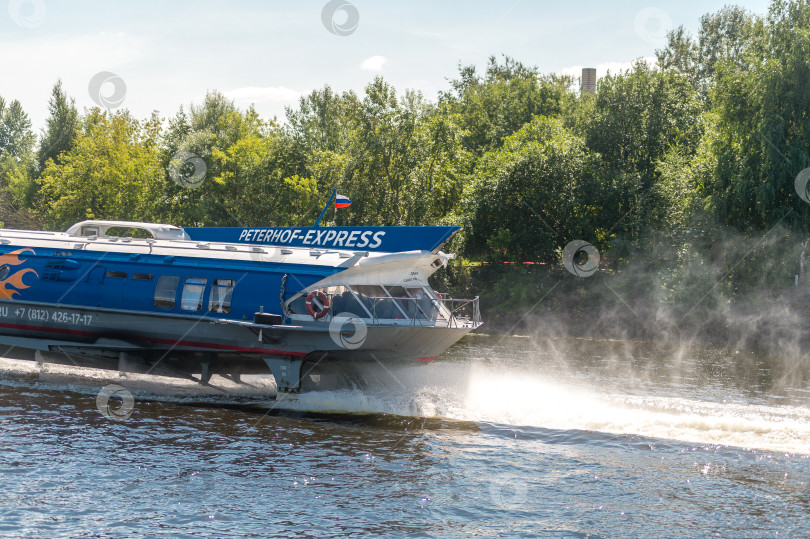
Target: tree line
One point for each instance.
(662, 158)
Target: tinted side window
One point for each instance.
(220, 299)
(166, 291)
(193, 290)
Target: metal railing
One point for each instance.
(442, 311)
(463, 312)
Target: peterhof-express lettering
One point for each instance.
(313, 237)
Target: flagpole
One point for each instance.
(318, 221)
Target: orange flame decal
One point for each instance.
(15, 280)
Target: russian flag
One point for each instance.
(342, 201)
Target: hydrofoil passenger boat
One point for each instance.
(308, 303)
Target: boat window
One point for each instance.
(220, 299)
(127, 232)
(343, 301)
(334, 290)
(193, 290)
(369, 290)
(401, 302)
(166, 291)
(419, 293)
(397, 292)
(404, 301)
(142, 276)
(117, 274)
(377, 301)
(4, 271)
(423, 304)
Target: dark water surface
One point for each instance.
(498, 438)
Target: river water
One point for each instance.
(499, 437)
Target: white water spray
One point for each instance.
(487, 394)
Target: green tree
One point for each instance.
(379, 161)
(639, 114)
(16, 138)
(403, 162)
(114, 171)
(533, 195)
(726, 36)
(17, 185)
(250, 164)
(60, 128)
(321, 123)
(493, 106)
(636, 118)
(761, 109)
(260, 187)
(399, 159)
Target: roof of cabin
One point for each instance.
(99, 228)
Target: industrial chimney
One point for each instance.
(588, 85)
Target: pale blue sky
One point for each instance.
(169, 53)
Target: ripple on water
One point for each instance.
(476, 444)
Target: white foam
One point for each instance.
(533, 401)
(74, 378)
(487, 394)
(484, 393)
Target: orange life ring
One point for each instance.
(317, 304)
